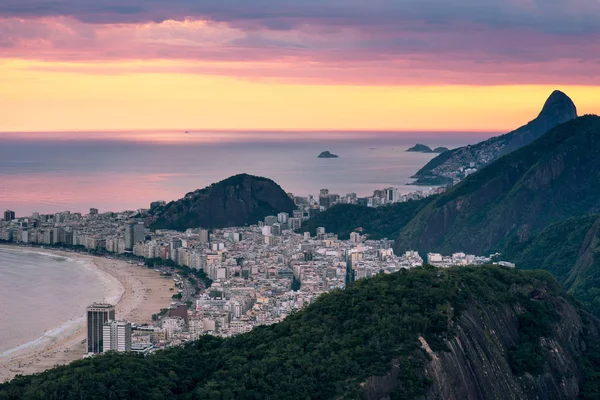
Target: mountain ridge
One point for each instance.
(557, 109)
(551, 179)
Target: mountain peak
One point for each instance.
(559, 108)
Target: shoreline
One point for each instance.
(137, 293)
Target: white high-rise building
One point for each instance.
(282, 217)
(116, 336)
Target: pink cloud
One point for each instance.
(416, 53)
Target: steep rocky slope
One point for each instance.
(236, 201)
(569, 249)
(550, 180)
(479, 359)
(558, 109)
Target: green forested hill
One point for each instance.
(377, 223)
(570, 249)
(465, 331)
(554, 178)
(238, 200)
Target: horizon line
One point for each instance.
(270, 130)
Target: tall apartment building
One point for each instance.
(276, 229)
(116, 336)
(283, 217)
(203, 236)
(355, 237)
(97, 315)
(134, 233)
(270, 220)
(295, 223)
(9, 215)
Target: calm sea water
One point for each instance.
(49, 172)
(43, 296)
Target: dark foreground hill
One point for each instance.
(236, 201)
(558, 109)
(555, 178)
(459, 333)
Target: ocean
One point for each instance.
(50, 172)
(44, 297)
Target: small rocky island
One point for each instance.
(421, 148)
(327, 154)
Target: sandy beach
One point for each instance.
(142, 292)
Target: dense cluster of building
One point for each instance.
(439, 260)
(119, 232)
(115, 232)
(380, 197)
(458, 170)
(260, 274)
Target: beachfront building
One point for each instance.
(134, 233)
(116, 336)
(97, 315)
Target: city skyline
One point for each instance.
(287, 65)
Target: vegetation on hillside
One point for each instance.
(570, 251)
(536, 322)
(377, 223)
(554, 249)
(550, 180)
(236, 201)
(322, 352)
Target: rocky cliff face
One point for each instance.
(559, 108)
(477, 361)
(552, 179)
(236, 201)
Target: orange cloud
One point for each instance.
(32, 99)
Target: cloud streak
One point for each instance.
(322, 41)
(551, 16)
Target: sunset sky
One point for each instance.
(293, 64)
